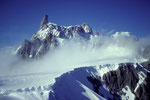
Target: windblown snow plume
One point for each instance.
(100, 49)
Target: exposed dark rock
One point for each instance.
(26, 49)
(95, 82)
(125, 75)
(49, 43)
(36, 47)
(143, 91)
(146, 65)
(44, 21)
(109, 98)
(101, 94)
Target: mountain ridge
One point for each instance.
(49, 36)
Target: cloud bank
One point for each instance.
(101, 49)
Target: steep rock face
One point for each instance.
(98, 87)
(44, 21)
(125, 75)
(95, 82)
(35, 47)
(143, 91)
(49, 36)
(29, 48)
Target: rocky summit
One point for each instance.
(51, 35)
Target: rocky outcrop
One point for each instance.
(44, 21)
(48, 37)
(99, 89)
(129, 75)
(125, 75)
(29, 48)
(49, 43)
(96, 82)
(36, 48)
(143, 91)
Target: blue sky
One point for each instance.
(20, 19)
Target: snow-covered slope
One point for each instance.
(74, 85)
(111, 81)
(102, 80)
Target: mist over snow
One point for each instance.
(100, 49)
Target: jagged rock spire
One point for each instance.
(49, 36)
(44, 21)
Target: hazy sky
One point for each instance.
(20, 19)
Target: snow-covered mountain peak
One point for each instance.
(121, 34)
(51, 35)
(46, 28)
(86, 27)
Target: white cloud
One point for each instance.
(101, 49)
